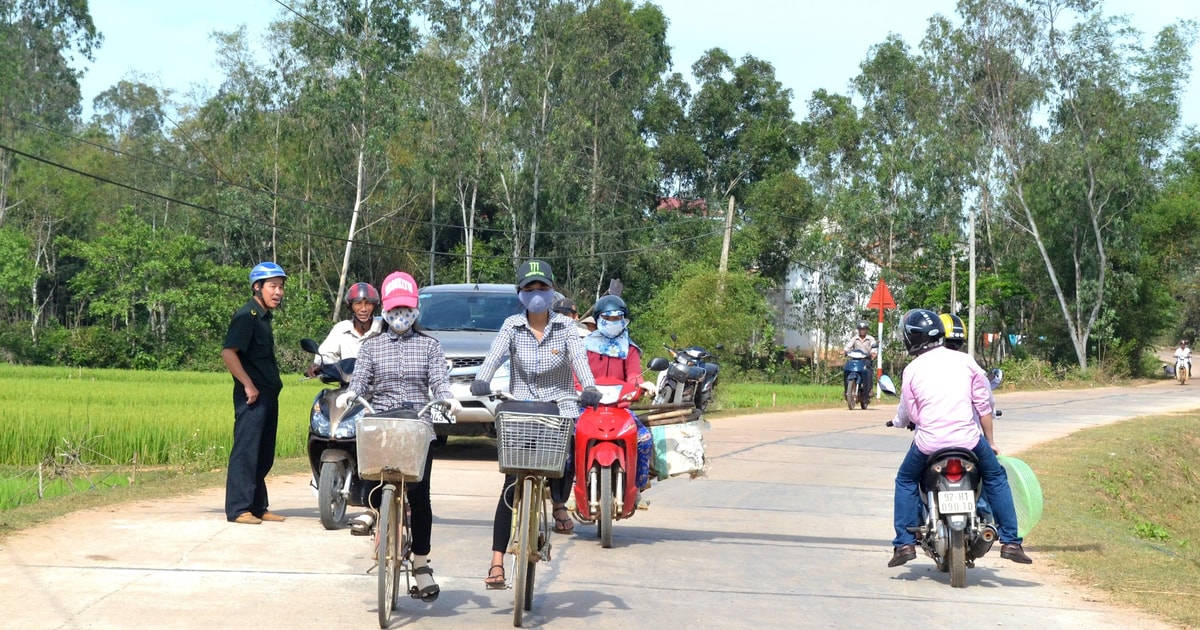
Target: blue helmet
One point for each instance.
(264, 270)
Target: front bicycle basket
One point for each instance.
(393, 449)
(531, 442)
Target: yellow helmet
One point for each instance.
(956, 333)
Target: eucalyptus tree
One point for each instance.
(1073, 118)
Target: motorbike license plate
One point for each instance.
(956, 502)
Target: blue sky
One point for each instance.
(811, 44)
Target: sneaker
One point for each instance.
(246, 518)
(902, 554)
(1014, 552)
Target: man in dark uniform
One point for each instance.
(249, 355)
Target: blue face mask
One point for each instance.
(611, 329)
(537, 301)
(401, 319)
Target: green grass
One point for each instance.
(123, 417)
(762, 397)
(1123, 511)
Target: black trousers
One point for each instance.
(253, 452)
(560, 489)
(421, 509)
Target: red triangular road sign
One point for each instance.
(881, 298)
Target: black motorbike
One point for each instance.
(332, 445)
(689, 377)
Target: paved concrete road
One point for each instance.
(791, 528)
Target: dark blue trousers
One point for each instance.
(253, 453)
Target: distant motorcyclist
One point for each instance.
(347, 336)
(866, 343)
(1184, 352)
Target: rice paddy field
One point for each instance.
(65, 428)
(68, 429)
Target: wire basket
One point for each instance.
(392, 449)
(537, 443)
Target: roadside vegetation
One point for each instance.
(1123, 511)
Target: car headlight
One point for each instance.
(500, 379)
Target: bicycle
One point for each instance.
(392, 449)
(531, 441)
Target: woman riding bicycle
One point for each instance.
(398, 368)
(546, 356)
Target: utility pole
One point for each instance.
(728, 231)
(971, 291)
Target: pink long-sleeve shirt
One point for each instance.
(942, 391)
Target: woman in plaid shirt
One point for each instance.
(399, 367)
(546, 355)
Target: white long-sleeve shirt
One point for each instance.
(343, 341)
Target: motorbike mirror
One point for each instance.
(659, 364)
(308, 345)
(720, 346)
(887, 386)
(995, 376)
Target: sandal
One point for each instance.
(495, 581)
(563, 525)
(430, 591)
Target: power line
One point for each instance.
(318, 235)
(308, 202)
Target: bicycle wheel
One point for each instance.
(524, 504)
(385, 553)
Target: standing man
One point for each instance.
(249, 355)
(866, 343)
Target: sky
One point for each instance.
(812, 45)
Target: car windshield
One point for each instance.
(467, 310)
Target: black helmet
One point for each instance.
(610, 303)
(921, 329)
(862, 325)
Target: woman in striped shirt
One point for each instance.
(546, 355)
(401, 367)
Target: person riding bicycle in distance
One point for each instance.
(546, 356)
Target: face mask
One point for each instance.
(537, 301)
(611, 329)
(401, 319)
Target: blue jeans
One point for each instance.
(907, 510)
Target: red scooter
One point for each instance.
(606, 459)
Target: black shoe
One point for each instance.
(902, 554)
(1014, 552)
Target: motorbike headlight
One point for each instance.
(319, 422)
(348, 425)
